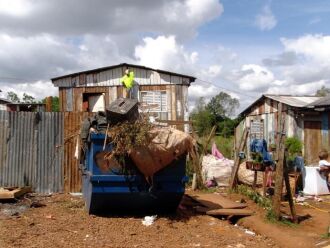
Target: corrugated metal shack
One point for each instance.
(306, 117)
(3, 103)
(94, 89)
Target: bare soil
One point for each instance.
(62, 222)
(310, 232)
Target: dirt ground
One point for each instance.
(62, 222)
(314, 222)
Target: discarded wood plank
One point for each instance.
(216, 201)
(12, 193)
(232, 212)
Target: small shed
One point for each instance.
(306, 117)
(93, 90)
(3, 103)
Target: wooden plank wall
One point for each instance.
(77, 97)
(72, 175)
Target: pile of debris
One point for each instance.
(150, 147)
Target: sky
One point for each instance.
(243, 47)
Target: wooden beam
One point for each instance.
(289, 193)
(13, 193)
(237, 161)
(280, 149)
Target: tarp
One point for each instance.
(315, 184)
(167, 145)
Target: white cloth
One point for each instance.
(315, 184)
(324, 163)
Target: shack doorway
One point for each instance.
(93, 102)
(312, 141)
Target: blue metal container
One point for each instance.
(115, 191)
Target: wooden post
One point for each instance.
(280, 164)
(237, 162)
(49, 104)
(288, 190)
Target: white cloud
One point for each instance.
(253, 77)
(296, 89)
(81, 17)
(16, 8)
(38, 90)
(314, 47)
(265, 20)
(165, 53)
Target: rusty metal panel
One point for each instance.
(27, 151)
(72, 176)
(3, 145)
(49, 152)
(20, 163)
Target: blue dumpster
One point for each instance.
(116, 191)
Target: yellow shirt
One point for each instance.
(128, 80)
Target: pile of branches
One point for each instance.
(128, 136)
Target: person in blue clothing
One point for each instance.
(299, 166)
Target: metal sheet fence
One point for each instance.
(31, 150)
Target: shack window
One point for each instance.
(157, 100)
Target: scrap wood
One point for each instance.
(12, 193)
(216, 201)
(233, 212)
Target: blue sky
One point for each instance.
(246, 48)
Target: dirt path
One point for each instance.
(309, 232)
(63, 223)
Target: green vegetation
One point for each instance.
(13, 97)
(323, 91)
(263, 202)
(225, 145)
(219, 112)
(294, 147)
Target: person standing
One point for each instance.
(131, 87)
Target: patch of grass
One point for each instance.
(263, 202)
(209, 190)
(325, 236)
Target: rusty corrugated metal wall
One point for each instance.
(72, 176)
(31, 150)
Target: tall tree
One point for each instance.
(222, 106)
(28, 99)
(323, 91)
(55, 103)
(203, 120)
(13, 97)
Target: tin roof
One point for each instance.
(323, 101)
(192, 79)
(293, 101)
(5, 100)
